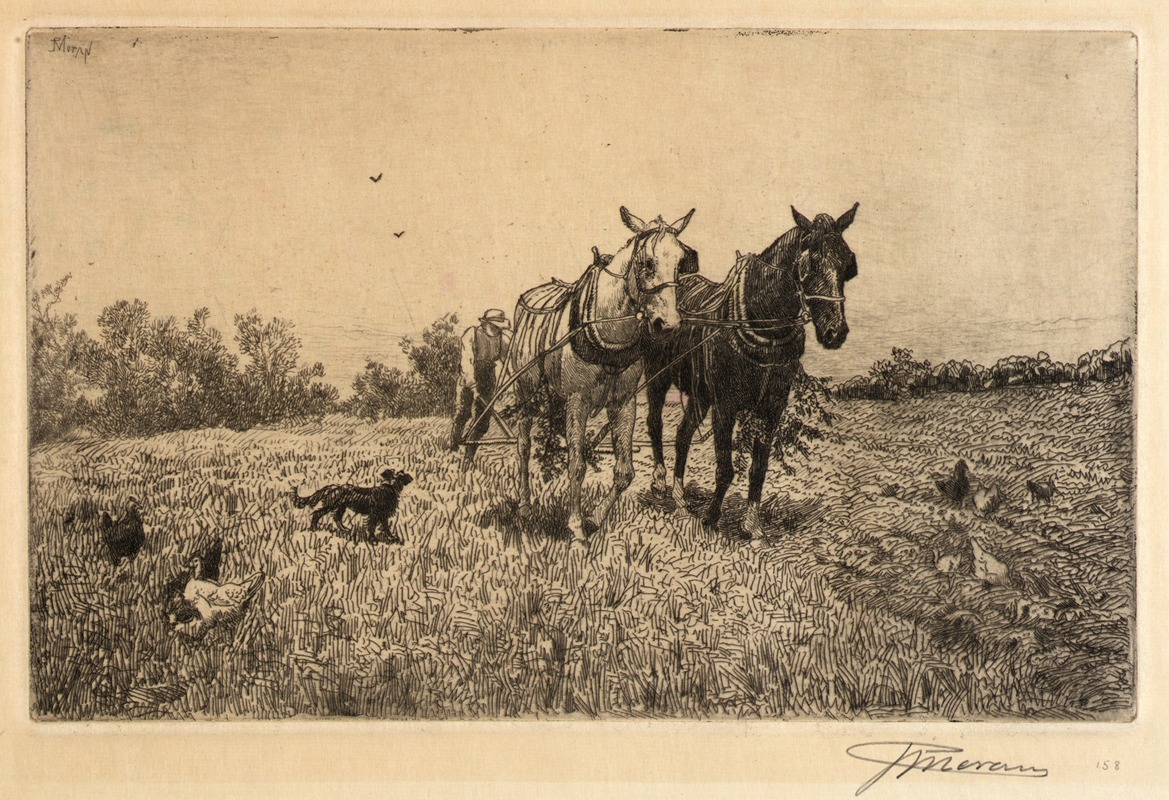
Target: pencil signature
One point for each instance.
(905, 757)
(61, 45)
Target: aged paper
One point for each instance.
(262, 264)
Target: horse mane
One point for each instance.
(782, 250)
(783, 247)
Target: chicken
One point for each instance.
(988, 499)
(204, 566)
(956, 487)
(1042, 491)
(206, 603)
(207, 562)
(988, 568)
(124, 538)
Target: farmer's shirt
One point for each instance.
(480, 352)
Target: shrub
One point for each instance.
(428, 389)
(806, 420)
(549, 424)
(273, 385)
(435, 363)
(902, 375)
(55, 354)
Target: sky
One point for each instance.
(996, 174)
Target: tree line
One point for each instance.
(142, 375)
(902, 375)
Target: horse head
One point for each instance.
(653, 260)
(825, 264)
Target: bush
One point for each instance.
(806, 420)
(435, 364)
(153, 375)
(549, 415)
(903, 376)
(273, 385)
(55, 352)
(375, 392)
(428, 389)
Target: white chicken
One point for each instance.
(213, 602)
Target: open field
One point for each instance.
(842, 613)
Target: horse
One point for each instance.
(739, 348)
(583, 342)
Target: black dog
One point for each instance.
(378, 503)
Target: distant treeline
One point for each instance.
(143, 375)
(904, 376)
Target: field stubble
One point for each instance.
(843, 613)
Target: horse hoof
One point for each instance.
(752, 527)
(658, 487)
(525, 511)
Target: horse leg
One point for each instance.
(621, 419)
(655, 394)
(760, 457)
(682, 438)
(523, 433)
(723, 424)
(575, 431)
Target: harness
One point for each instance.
(589, 345)
(546, 301)
(767, 342)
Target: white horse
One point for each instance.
(583, 343)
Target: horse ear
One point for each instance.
(804, 223)
(681, 224)
(845, 219)
(633, 223)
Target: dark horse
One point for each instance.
(739, 349)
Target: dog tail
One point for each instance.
(303, 502)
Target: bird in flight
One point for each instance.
(399, 234)
(378, 178)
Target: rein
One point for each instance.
(767, 324)
(515, 376)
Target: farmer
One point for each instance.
(481, 347)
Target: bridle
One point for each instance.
(801, 277)
(634, 291)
